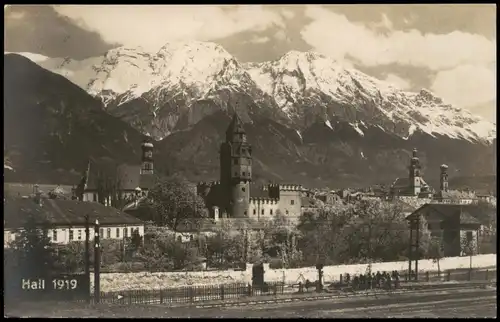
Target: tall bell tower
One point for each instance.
(147, 156)
(443, 178)
(236, 169)
(414, 173)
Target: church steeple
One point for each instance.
(443, 179)
(147, 156)
(414, 173)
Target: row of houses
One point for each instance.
(64, 220)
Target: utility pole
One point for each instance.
(87, 252)
(369, 247)
(97, 263)
(410, 255)
(417, 248)
(123, 247)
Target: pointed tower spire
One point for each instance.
(86, 175)
(236, 130)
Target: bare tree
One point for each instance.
(109, 187)
(435, 251)
(468, 246)
(281, 239)
(173, 202)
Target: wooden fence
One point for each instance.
(191, 294)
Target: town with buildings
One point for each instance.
(250, 161)
(233, 197)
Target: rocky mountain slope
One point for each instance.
(52, 127)
(310, 120)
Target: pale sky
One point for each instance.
(449, 49)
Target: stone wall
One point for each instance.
(332, 273)
(112, 282)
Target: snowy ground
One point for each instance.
(111, 282)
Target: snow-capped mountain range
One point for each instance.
(153, 91)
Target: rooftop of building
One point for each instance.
(126, 176)
(57, 212)
(469, 214)
(235, 127)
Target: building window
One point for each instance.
(179, 238)
(270, 211)
(109, 232)
(54, 235)
(236, 174)
(254, 212)
(243, 189)
(125, 232)
(262, 212)
(70, 234)
(292, 202)
(244, 173)
(235, 161)
(117, 232)
(191, 237)
(79, 234)
(286, 212)
(95, 197)
(245, 212)
(101, 232)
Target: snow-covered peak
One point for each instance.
(194, 49)
(134, 71)
(298, 81)
(302, 84)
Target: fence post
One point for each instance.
(222, 292)
(448, 275)
(249, 288)
(161, 296)
(341, 279)
(486, 273)
(427, 276)
(470, 275)
(190, 292)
